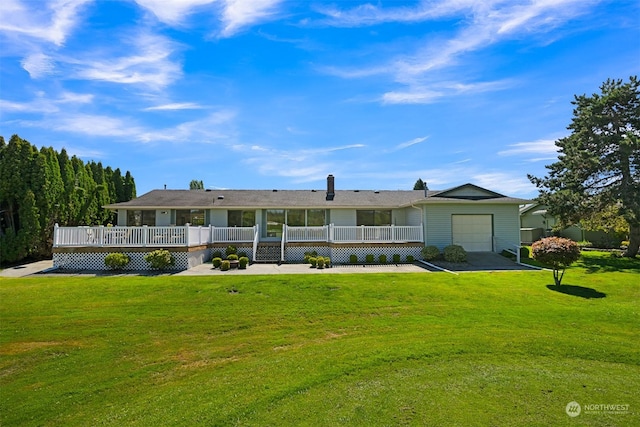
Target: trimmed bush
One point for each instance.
(116, 261)
(429, 253)
(242, 262)
(320, 262)
(396, 258)
(216, 262)
(160, 259)
(369, 258)
(242, 254)
(410, 259)
(327, 262)
(382, 259)
(225, 265)
(353, 259)
(454, 253)
(556, 252)
(231, 250)
(313, 261)
(217, 254)
(232, 257)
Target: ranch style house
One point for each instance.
(282, 225)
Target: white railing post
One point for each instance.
(255, 240)
(393, 233)
(211, 231)
(331, 232)
(422, 233)
(144, 235)
(55, 235)
(284, 236)
(186, 234)
(518, 254)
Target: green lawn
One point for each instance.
(373, 349)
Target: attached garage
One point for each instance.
(473, 232)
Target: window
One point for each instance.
(315, 217)
(241, 218)
(275, 220)
(190, 216)
(373, 217)
(139, 217)
(295, 217)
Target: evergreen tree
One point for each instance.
(599, 164)
(196, 185)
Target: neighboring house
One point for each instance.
(281, 225)
(536, 222)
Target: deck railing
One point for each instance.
(145, 236)
(181, 236)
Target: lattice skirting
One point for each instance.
(340, 254)
(87, 260)
(221, 248)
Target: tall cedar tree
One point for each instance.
(39, 188)
(419, 185)
(599, 163)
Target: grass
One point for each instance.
(377, 349)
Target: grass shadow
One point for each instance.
(577, 291)
(608, 262)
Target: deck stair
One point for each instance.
(268, 253)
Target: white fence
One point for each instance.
(382, 234)
(150, 236)
(187, 235)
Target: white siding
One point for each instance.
(398, 217)
(506, 223)
(343, 216)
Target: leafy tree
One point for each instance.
(196, 185)
(420, 184)
(599, 163)
(558, 253)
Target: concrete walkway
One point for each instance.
(477, 261)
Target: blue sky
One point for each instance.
(261, 94)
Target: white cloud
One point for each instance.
(505, 183)
(38, 65)
(172, 12)
(149, 64)
(51, 21)
(241, 13)
(42, 104)
(414, 141)
(544, 147)
(175, 106)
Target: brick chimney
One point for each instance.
(331, 191)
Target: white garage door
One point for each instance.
(472, 232)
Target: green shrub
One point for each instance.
(382, 259)
(231, 250)
(307, 256)
(327, 262)
(116, 261)
(320, 262)
(524, 252)
(313, 261)
(396, 258)
(225, 265)
(217, 254)
(242, 262)
(216, 262)
(455, 253)
(369, 258)
(242, 254)
(584, 244)
(410, 259)
(232, 257)
(160, 259)
(624, 244)
(353, 259)
(429, 253)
